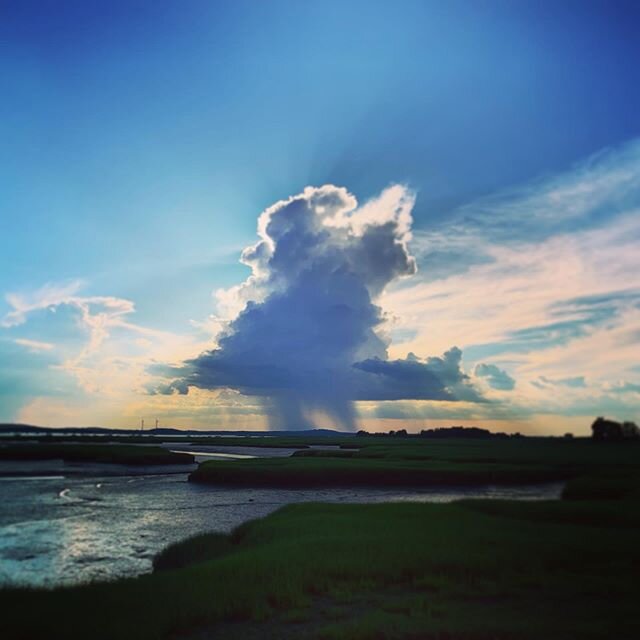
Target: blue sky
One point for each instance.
(141, 140)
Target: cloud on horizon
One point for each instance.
(541, 282)
(495, 377)
(543, 277)
(309, 336)
(576, 382)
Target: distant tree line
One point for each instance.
(445, 432)
(462, 432)
(603, 430)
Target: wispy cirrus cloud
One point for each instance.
(593, 192)
(542, 281)
(34, 345)
(575, 382)
(48, 296)
(101, 348)
(624, 387)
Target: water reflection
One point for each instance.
(64, 530)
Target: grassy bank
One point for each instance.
(473, 569)
(341, 471)
(422, 463)
(107, 453)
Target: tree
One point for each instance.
(603, 430)
(630, 431)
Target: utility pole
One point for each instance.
(142, 424)
(157, 421)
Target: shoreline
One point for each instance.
(83, 512)
(466, 569)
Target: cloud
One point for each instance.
(546, 277)
(47, 297)
(624, 387)
(496, 378)
(541, 280)
(529, 297)
(576, 382)
(413, 379)
(594, 190)
(96, 344)
(34, 345)
(589, 195)
(309, 336)
(98, 313)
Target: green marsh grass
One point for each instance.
(473, 569)
(423, 462)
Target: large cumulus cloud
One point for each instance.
(308, 334)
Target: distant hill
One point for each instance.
(27, 429)
(440, 432)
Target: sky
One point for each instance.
(378, 215)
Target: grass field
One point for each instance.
(472, 570)
(420, 462)
(475, 569)
(339, 471)
(107, 453)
